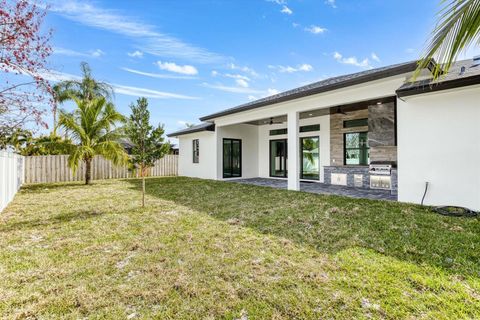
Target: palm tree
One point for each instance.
(92, 129)
(458, 27)
(85, 89)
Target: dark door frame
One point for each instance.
(231, 158)
(301, 157)
(270, 158)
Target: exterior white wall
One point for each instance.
(206, 167)
(249, 136)
(439, 142)
(12, 171)
(264, 143)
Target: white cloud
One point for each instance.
(173, 67)
(251, 98)
(149, 38)
(237, 76)
(247, 70)
(315, 29)
(409, 50)
(331, 3)
(286, 10)
(135, 54)
(97, 53)
(157, 75)
(365, 63)
(271, 92)
(375, 57)
(222, 87)
(289, 69)
(72, 53)
(279, 2)
(142, 92)
(295, 25)
(214, 73)
(242, 83)
(56, 76)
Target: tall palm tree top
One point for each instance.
(86, 89)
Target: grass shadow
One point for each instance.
(331, 224)
(43, 187)
(54, 220)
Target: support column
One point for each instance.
(293, 151)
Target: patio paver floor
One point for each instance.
(321, 188)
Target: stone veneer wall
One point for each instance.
(381, 132)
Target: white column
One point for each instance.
(293, 151)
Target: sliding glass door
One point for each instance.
(278, 158)
(310, 157)
(232, 158)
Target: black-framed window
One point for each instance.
(356, 150)
(355, 123)
(278, 158)
(310, 128)
(232, 158)
(196, 150)
(310, 158)
(277, 132)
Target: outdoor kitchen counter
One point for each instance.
(354, 174)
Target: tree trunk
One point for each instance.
(88, 170)
(143, 190)
(142, 173)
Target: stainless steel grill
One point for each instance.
(380, 175)
(383, 169)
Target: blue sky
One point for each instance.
(192, 58)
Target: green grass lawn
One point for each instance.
(213, 250)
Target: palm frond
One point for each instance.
(458, 27)
(113, 151)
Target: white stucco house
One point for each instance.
(373, 130)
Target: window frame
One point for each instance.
(278, 132)
(231, 140)
(365, 148)
(309, 128)
(196, 151)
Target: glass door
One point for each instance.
(310, 157)
(278, 158)
(232, 158)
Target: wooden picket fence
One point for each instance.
(43, 169)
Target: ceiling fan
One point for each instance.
(274, 122)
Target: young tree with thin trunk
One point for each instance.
(148, 142)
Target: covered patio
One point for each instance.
(321, 188)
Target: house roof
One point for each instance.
(462, 73)
(321, 86)
(205, 126)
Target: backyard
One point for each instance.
(205, 249)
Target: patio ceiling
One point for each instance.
(322, 112)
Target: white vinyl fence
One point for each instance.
(44, 169)
(11, 176)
